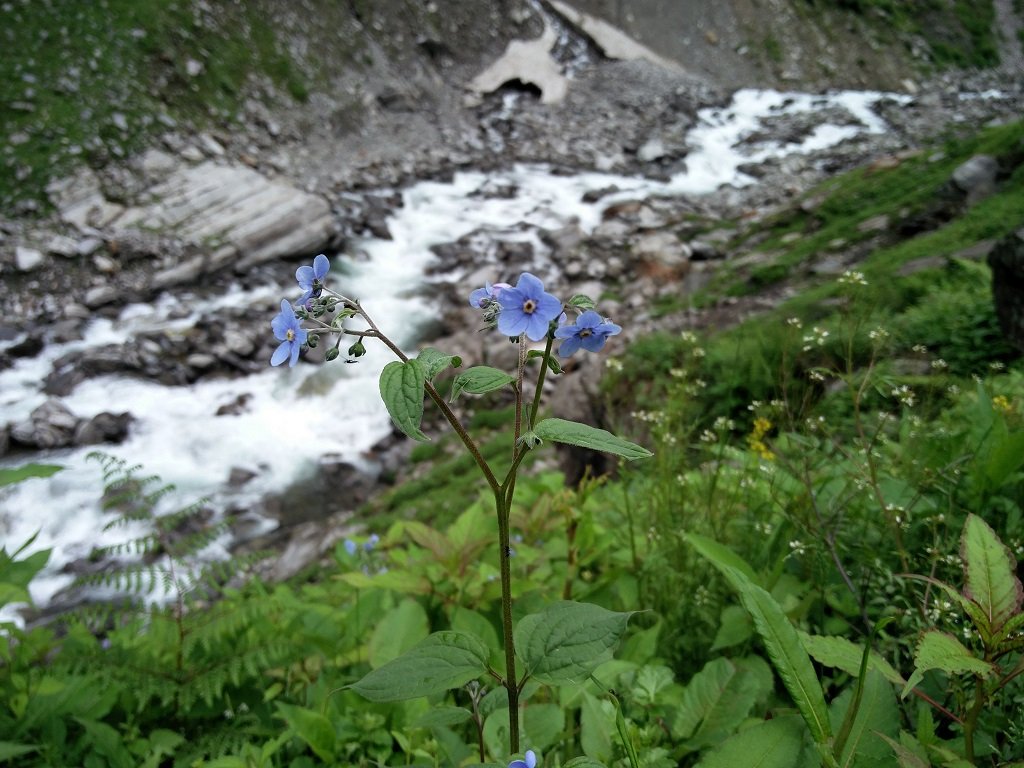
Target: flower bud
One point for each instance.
(357, 350)
(312, 340)
(332, 354)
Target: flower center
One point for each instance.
(529, 306)
(290, 335)
(586, 332)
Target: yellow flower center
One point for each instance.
(585, 332)
(529, 306)
(290, 335)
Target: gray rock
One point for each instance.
(62, 245)
(51, 425)
(663, 248)
(977, 177)
(103, 428)
(653, 149)
(28, 259)
(88, 246)
(1007, 262)
(100, 295)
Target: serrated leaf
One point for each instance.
(779, 636)
(402, 390)
(567, 640)
(434, 361)
(715, 701)
(442, 661)
(584, 436)
(582, 301)
(312, 727)
(939, 650)
(479, 380)
(775, 743)
(840, 653)
(990, 572)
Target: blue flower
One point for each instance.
(529, 762)
(590, 332)
(289, 331)
(371, 542)
(311, 279)
(527, 309)
(351, 546)
(482, 298)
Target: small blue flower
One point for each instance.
(371, 542)
(311, 279)
(591, 331)
(351, 546)
(289, 331)
(529, 762)
(482, 298)
(527, 309)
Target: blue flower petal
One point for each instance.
(593, 343)
(477, 296)
(566, 331)
(530, 286)
(321, 265)
(537, 326)
(513, 321)
(305, 276)
(569, 346)
(281, 353)
(589, 319)
(295, 354)
(610, 329)
(549, 307)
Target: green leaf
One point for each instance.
(574, 433)
(716, 700)
(479, 380)
(567, 640)
(397, 631)
(597, 723)
(1006, 457)
(779, 636)
(840, 653)
(12, 475)
(877, 715)
(582, 301)
(312, 727)
(583, 762)
(734, 627)
(775, 743)
(434, 361)
(721, 556)
(990, 572)
(8, 749)
(907, 757)
(552, 363)
(402, 389)
(543, 724)
(938, 650)
(442, 661)
(442, 716)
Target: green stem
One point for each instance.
(971, 720)
(540, 382)
(502, 503)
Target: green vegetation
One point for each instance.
(958, 33)
(822, 553)
(94, 81)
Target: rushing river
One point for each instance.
(297, 415)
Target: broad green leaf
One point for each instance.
(567, 640)
(312, 727)
(775, 743)
(542, 724)
(402, 390)
(907, 757)
(876, 716)
(720, 555)
(716, 700)
(434, 361)
(9, 749)
(400, 581)
(840, 653)
(583, 762)
(989, 569)
(397, 631)
(472, 623)
(442, 716)
(779, 636)
(938, 650)
(479, 380)
(1006, 457)
(11, 475)
(597, 724)
(442, 661)
(107, 742)
(584, 436)
(734, 627)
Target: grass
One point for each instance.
(94, 81)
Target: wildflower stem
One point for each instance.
(503, 504)
(540, 381)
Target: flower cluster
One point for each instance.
(527, 308)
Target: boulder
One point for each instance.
(1007, 262)
(103, 428)
(976, 178)
(51, 425)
